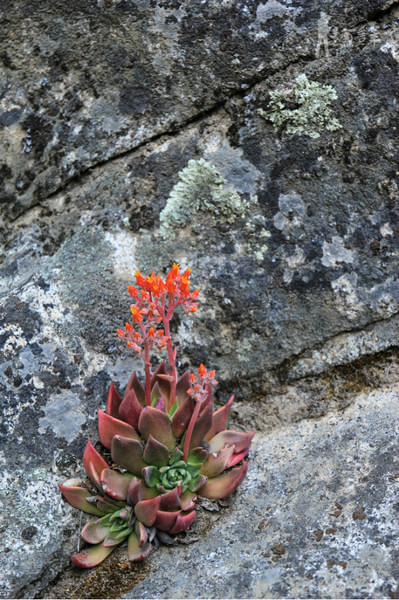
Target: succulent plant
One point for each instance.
(167, 440)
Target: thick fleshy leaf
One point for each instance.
(187, 500)
(146, 511)
(115, 484)
(223, 485)
(94, 532)
(145, 492)
(182, 417)
(77, 496)
(171, 500)
(128, 454)
(113, 401)
(90, 455)
(135, 384)
(165, 520)
(113, 539)
(183, 384)
(133, 491)
(160, 370)
(183, 522)
(155, 453)
(130, 409)
(217, 462)
(157, 424)
(141, 533)
(240, 439)
(203, 424)
(197, 456)
(106, 505)
(219, 419)
(195, 485)
(109, 426)
(134, 550)
(151, 476)
(91, 557)
(236, 458)
(93, 475)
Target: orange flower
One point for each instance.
(201, 371)
(137, 314)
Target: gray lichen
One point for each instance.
(303, 109)
(200, 189)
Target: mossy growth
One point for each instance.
(303, 109)
(200, 189)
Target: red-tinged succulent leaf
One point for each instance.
(217, 462)
(91, 455)
(130, 409)
(187, 500)
(91, 557)
(155, 394)
(134, 551)
(141, 533)
(155, 453)
(236, 458)
(203, 424)
(151, 476)
(156, 423)
(162, 385)
(183, 522)
(135, 384)
(182, 386)
(133, 491)
(77, 496)
(223, 485)
(171, 500)
(128, 454)
(113, 539)
(160, 370)
(94, 532)
(109, 426)
(240, 439)
(165, 520)
(146, 511)
(195, 485)
(107, 506)
(197, 456)
(182, 417)
(93, 475)
(146, 493)
(115, 484)
(219, 419)
(113, 401)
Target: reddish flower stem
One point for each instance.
(171, 358)
(190, 429)
(147, 366)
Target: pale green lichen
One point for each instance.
(200, 189)
(303, 109)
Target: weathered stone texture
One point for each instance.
(108, 110)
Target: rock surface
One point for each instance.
(317, 516)
(109, 109)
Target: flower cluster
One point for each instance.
(168, 442)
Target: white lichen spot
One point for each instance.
(124, 246)
(63, 415)
(347, 299)
(335, 253)
(200, 189)
(292, 210)
(15, 339)
(271, 9)
(303, 108)
(386, 230)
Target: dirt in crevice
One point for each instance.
(116, 575)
